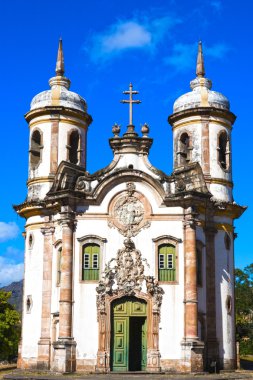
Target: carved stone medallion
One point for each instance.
(129, 212)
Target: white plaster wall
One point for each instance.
(149, 192)
(138, 162)
(33, 287)
(224, 287)
(85, 295)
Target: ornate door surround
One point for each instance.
(126, 278)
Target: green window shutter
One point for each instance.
(166, 263)
(91, 258)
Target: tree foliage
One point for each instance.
(244, 308)
(10, 328)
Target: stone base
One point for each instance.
(103, 362)
(64, 356)
(153, 361)
(44, 349)
(213, 362)
(86, 365)
(192, 356)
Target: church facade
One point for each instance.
(129, 268)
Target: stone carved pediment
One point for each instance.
(129, 212)
(125, 275)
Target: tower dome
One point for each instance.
(59, 94)
(201, 94)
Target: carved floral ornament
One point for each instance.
(124, 275)
(129, 212)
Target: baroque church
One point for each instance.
(129, 268)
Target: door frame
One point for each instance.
(104, 331)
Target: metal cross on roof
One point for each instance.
(130, 101)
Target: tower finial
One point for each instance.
(200, 69)
(60, 61)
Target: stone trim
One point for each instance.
(190, 278)
(54, 146)
(44, 344)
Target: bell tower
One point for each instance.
(58, 122)
(202, 124)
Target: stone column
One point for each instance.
(212, 349)
(65, 347)
(44, 344)
(191, 346)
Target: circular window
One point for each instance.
(229, 304)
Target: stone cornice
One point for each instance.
(55, 111)
(201, 111)
(131, 144)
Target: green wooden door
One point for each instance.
(129, 335)
(144, 345)
(120, 352)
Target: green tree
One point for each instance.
(244, 308)
(10, 328)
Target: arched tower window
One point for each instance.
(74, 148)
(223, 150)
(184, 149)
(35, 148)
(90, 262)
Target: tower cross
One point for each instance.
(130, 102)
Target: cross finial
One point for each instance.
(130, 101)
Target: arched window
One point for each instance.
(74, 147)
(58, 266)
(166, 262)
(184, 149)
(90, 262)
(35, 148)
(223, 150)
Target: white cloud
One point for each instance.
(144, 33)
(184, 56)
(10, 271)
(8, 231)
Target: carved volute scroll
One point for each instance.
(129, 212)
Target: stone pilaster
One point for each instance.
(205, 147)
(65, 347)
(192, 347)
(153, 353)
(44, 344)
(212, 348)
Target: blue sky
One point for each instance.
(107, 44)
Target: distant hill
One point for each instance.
(17, 294)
